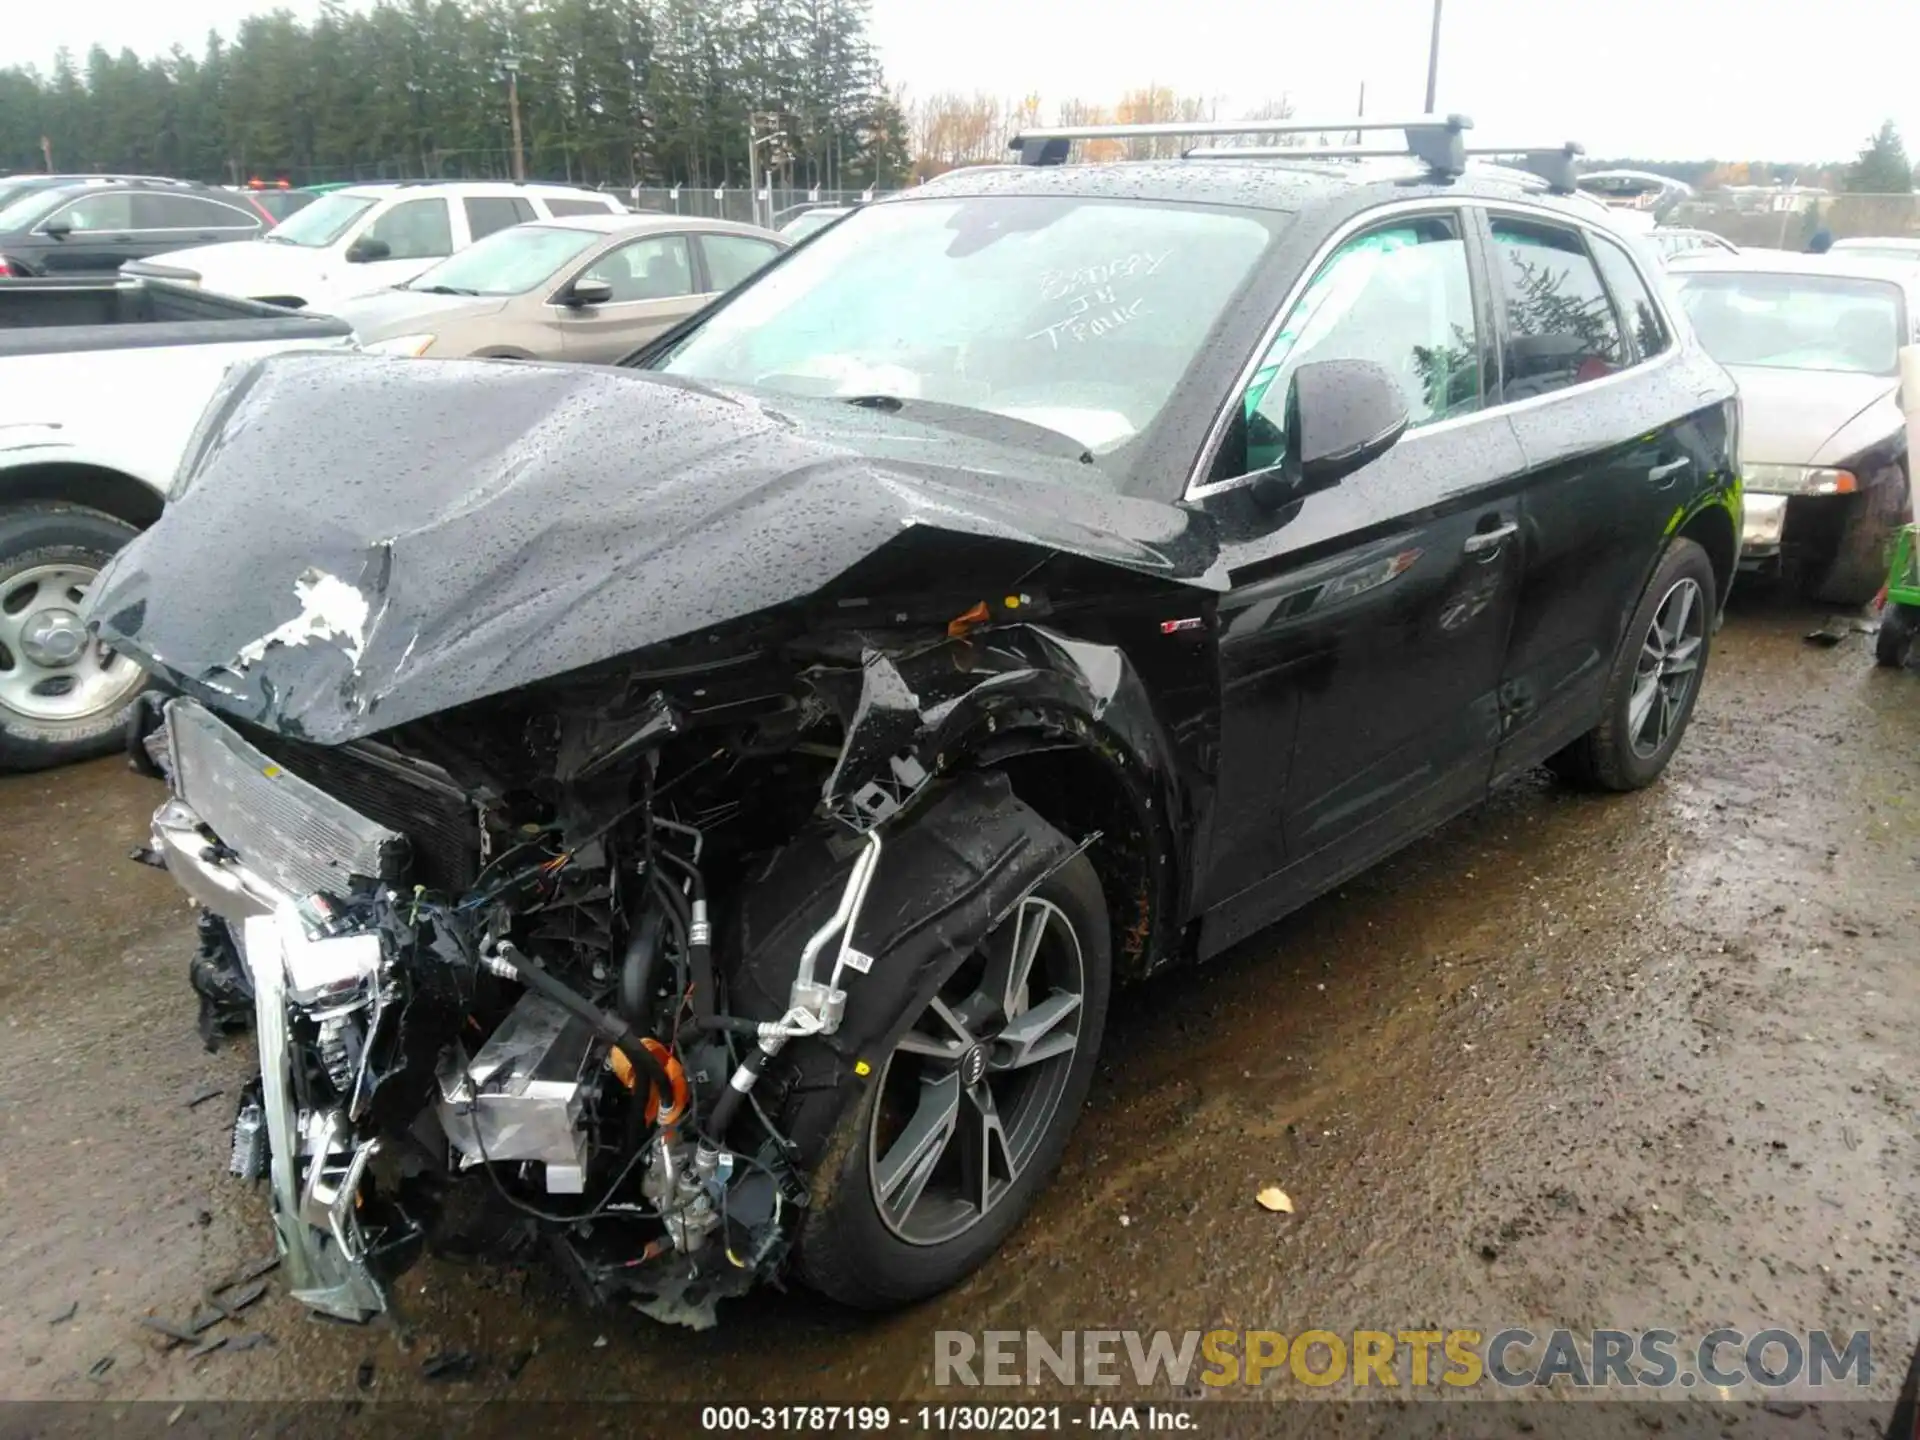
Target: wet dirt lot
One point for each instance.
(1631, 1062)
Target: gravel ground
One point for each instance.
(1572, 1061)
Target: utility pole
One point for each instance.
(754, 141)
(512, 63)
(1433, 58)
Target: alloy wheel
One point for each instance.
(971, 1091)
(51, 670)
(1668, 668)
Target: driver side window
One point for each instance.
(1399, 296)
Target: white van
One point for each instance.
(367, 237)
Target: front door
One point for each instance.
(1602, 488)
(88, 236)
(653, 284)
(1361, 644)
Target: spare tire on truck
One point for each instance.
(63, 695)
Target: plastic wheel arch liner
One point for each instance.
(997, 693)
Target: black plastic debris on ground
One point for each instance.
(363, 1377)
(204, 1094)
(517, 1361)
(450, 1365)
(100, 1367)
(73, 1308)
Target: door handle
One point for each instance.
(1661, 474)
(1488, 541)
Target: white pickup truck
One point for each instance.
(101, 384)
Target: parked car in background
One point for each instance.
(278, 201)
(1674, 241)
(1901, 248)
(811, 218)
(367, 237)
(1814, 343)
(1051, 575)
(95, 225)
(15, 185)
(588, 287)
(102, 380)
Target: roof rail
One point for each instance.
(1555, 166)
(1434, 139)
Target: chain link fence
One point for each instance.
(1788, 219)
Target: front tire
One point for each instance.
(63, 695)
(1655, 680)
(967, 1119)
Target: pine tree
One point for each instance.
(1883, 167)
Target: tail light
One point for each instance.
(5, 269)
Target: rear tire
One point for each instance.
(1655, 679)
(56, 706)
(858, 1244)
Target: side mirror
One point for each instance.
(57, 229)
(1342, 415)
(583, 293)
(367, 249)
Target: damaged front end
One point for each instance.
(504, 993)
(583, 814)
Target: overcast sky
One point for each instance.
(1680, 79)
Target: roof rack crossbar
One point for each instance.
(1554, 165)
(1294, 152)
(1433, 139)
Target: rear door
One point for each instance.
(164, 222)
(1362, 641)
(655, 286)
(488, 213)
(1602, 485)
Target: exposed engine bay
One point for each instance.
(480, 952)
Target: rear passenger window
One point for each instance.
(488, 213)
(1399, 296)
(1644, 325)
(578, 207)
(1561, 328)
(732, 258)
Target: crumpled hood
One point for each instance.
(1788, 417)
(361, 541)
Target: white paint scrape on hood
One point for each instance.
(330, 609)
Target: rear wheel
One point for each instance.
(969, 1115)
(62, 693)
(1655, 679)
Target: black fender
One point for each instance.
(987, 700)
(949, 872)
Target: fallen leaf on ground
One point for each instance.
(1275, 1199)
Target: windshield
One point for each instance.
(1795, 322)
(322, 222)
(1078, 315)
(507, 262)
